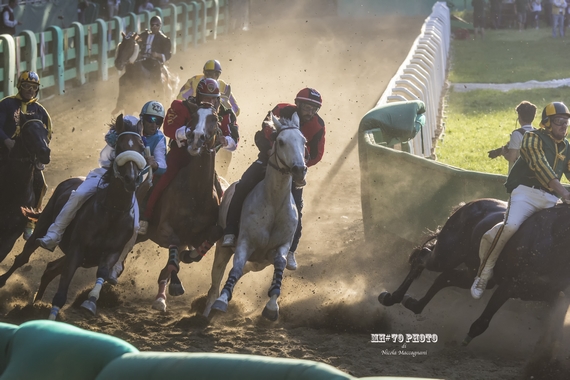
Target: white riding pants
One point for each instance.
(524, 202)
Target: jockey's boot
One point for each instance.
(29, 230)
(229, 240)
(143, 227)
(48, 243)
(291, 262)
(480, 283)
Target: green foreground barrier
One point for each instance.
(404, 195)
(56, 350)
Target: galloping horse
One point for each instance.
(186, 215)
(533, 266)
(17, 176)
(101, 228)
(137, 78)
(268, 221)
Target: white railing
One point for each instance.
(422, 75)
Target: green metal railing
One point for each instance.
(73, 56)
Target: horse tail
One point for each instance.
(31, 214)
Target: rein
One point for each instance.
(286, 170)
(18, 134)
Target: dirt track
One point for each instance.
(328, 306)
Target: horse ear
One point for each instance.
(119, 125)
(123, 34)
(295, 120)
(276, 122)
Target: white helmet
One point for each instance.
(153, 108)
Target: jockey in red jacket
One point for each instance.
(177, 119)
(307, 104)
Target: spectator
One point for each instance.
(536, 9)
(521, 8)
(495, 8)
(146, 5)
(9, 22)
(558, 12)
(526, 112)
(479, 17)
(113, 8)
(547, 14)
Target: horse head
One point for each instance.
(127, 50)
(288, 150)
(129, 148)
(32, 141)
(203, 128)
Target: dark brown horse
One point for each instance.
(534, 265)
(101, 228)
(17, 180)
(186, 215)
(137, 78)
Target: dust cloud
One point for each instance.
(328, 306)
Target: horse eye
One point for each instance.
(281, 142)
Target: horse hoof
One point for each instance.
(220, 306)
(466, 341)
(272, 315)
(384, 297)
(159, 304)
(89, 306)
(175, 289)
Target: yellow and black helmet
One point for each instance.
(554, 108)
(212, 65)
(28, 76)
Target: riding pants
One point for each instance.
(77, 198)
(524, 202)
(176, 159)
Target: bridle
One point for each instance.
(286, 170)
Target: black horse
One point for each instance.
(137, 78)
(101, 228)
(534, 265)
(17, 168)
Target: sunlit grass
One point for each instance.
(478, 121)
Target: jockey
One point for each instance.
(24, 102)
(307, 104)
(212, 69)
(534, 184)
(177, 119)
(156, 48)
(151, 117)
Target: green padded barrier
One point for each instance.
(399, 120)
(56, 350)
(6, 332)
(212, 366)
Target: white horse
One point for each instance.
(268, 221)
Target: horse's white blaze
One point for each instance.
(135, 54)
(199, 130)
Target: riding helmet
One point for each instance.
(212, 65)
(208, 87)
(153, 108)
(554, 108)
(28, 76)
(309, 95)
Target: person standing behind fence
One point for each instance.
(8, 23)
(558, 12)
(526, 112)
(479, 17)
(536, 9)
(521, 9)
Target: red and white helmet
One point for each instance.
(309, 95)
(208, 87)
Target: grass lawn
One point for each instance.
(478, 121)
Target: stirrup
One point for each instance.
(229, 240)
(143, 227)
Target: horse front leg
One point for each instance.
(271, 310)
(23, 258)
(169, 271)
(240, 258)
(418, 265)
(90, 304)
(70, 265)
(221, 259)
(459, 278)
(53, 269)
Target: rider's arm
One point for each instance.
(160, 156)
(231, 143)
(107, 156)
